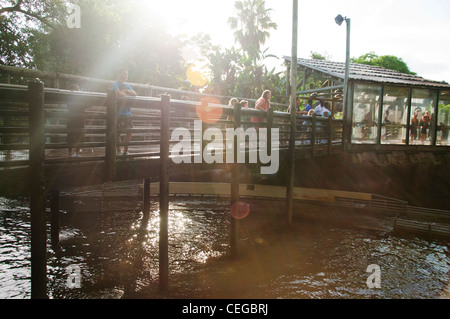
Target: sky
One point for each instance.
(417, 31)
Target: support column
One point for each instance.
(37, 191)
(111, 137)
(293, 115)
(164, 195)
(54, 212)
(234, 224)
(146, 197)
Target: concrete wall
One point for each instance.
(421, 178)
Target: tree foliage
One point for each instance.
(114, 34)
(252, 25)
(117, 33)
(21, 23)
(386, 61)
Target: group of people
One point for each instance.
(321, 109)
(263, 103)
(75, 123)
(424, 123)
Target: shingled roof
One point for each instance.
(363, 72)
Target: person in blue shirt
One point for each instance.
(308, 106)
(124, 121)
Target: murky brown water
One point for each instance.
(117, 255)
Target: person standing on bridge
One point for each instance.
(124, 121)
(75, 126)
(263, 103)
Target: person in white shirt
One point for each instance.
(318, 110)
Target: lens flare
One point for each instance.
(240, 210)
(208, 113)
(196, 76)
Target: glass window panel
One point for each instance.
(394, 115)
(366, 103)
(422, 108)
(443, 123)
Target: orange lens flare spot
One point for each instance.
(196, 76)
(240, 210)
(208, 113)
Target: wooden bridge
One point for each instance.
(34, 157)
(34, 132)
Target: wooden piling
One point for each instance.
(293, 117)
(269, 128)
(37, 191)
(111, 137)
(146, 197)
(330, 134)
(164, 195)
(234, 198)
(313, 133)
(54, 213)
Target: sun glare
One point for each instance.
(188, 18)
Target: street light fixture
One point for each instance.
(339, 19)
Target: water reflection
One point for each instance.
(117, 253)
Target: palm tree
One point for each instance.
(251, 24)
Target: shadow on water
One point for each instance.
(324, 255)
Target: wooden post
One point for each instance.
(293, 115)
(380, 115)
(434, 119)
(204, 106)
(146, 197)
(37, 191)
(164, 195)
(111, 136)
(313, 133)
(330, 134)
(408, 118)
(54, 212)
(235, 184)
(269, 128)
(288, 74)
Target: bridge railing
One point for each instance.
(20, 76)
(93, 111)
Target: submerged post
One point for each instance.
(235, 184)
(291, 160)
(164, 195)
(37, 191)
(111, 136)
(146, 197)
(330, 134)
(54, 213)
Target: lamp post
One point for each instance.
(293, 114)
(339, 19)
